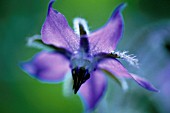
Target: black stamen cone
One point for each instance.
(80, 75)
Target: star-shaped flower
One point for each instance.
(87, 56)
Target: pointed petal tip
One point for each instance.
(50, 6)
(120, 7)
(51, 2)
(26, 68)
(123, 5)
(144, 83)
(151, 88)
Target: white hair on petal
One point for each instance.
(81, 21)
(129, 58)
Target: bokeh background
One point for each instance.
(146, 34)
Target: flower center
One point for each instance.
(80, 75)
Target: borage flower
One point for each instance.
(87, 56)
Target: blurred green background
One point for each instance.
(146, 34)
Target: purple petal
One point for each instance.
(93, 89)
(142, 82)
(116, 68)
(57, 32)
(47, 67)
(106, 38)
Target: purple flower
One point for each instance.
(87, 56)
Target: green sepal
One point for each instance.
(119, 81)
(36, 42)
